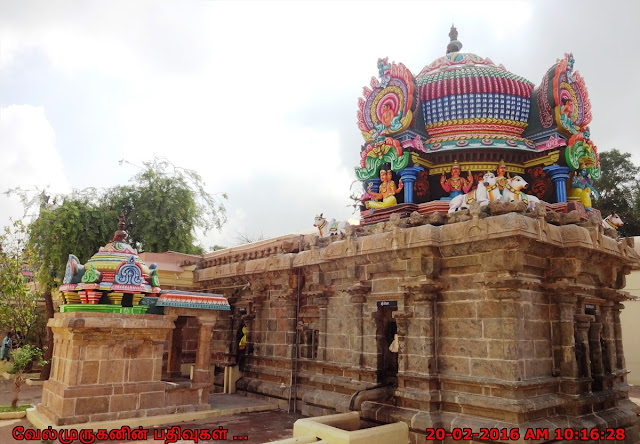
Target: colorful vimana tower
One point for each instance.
(432, 137)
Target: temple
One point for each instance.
(504, 313)
(480, 292)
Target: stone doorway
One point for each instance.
(386, 329)
(174, 358)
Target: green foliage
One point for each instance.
(619, 190)
(18, 304)
(79, 226)
(24, 357)
(163, 206)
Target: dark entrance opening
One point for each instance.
(386, 329)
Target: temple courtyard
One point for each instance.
(259, 426)
(260, 421)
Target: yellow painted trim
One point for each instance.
(417, 160)
(477, 120)
(551, 158)
(473, 166)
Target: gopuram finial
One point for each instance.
(120, 235)
(454, 45)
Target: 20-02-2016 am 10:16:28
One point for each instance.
(491, 434)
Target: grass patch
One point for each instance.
(20, 408)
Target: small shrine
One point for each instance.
(110, 339)
(116, 280)
(432, 137)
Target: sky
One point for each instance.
(260, 98)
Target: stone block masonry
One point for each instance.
(109, 366)
(504, 320)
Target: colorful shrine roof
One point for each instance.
(470, 102)
(466, 111)
(116, 267)
(187, 299)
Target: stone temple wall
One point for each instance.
(501, 321)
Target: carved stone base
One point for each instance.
(383, 214)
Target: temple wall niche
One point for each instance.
(501, 318)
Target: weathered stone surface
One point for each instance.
(484, 309)
(108, 366)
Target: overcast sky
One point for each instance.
(260, 97)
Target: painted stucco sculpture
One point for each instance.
(455, 185)
(329, 227)
(386, 194)
(114, 273)
(466, 115)
(486, 192)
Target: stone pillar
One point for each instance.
(408, 176)
(201, 373)
(357, 302)
(175, 349)
(358, 298)
(291, 342)
(402, 321)
(583, 322)
(257, 330)
(597, 366)
(609, 337)
(421, 326)
(559, 176)
(322, 303)
(617, 328)
(565, 351)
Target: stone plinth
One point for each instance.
(108, 366)
(502, 321)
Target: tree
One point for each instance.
(164, 207)
(619, 190)
(18, 304)
(248, 238)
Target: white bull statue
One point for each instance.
(612, 221)
(513, 192)
(487, 191)
(330, 228)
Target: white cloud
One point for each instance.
(29, 156)
(260, 97)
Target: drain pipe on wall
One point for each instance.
(293, 382)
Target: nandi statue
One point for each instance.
(486, 192)
(513, 192)
(330, 228)
(612, 221)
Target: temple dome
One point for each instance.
(469, 101)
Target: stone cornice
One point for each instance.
(377, 242)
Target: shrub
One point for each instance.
(24, 357)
